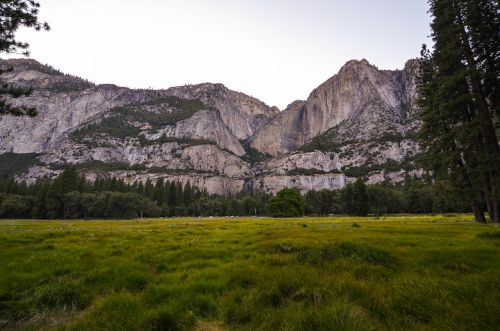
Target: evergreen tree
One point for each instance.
(40, 206)
(149, 189)
(188, 193)
(180, 193)
(54, 199)
(348, 199)
(159, 188)
(360, 198)
(97, 186)
(13, 15)
(70, 181)
(287, 203)
(140, 188)
(458, 88)
(172, 195)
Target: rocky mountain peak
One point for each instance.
(31, 73)
(356, 64)
(359, 91)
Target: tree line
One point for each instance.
(71, 196)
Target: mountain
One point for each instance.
(360, 122)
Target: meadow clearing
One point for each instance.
(337, 273)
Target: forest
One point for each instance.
(71, 196)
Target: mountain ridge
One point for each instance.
(220, 140)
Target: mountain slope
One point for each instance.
(361, 121)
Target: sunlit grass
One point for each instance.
(340, 273)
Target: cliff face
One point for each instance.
(243, 115)
(361, 121)
(358, 92)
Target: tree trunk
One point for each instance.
(492, 205)
(488, 132)
(478, 213)
(495, 212)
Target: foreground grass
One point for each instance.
(420, 273)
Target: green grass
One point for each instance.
(338, 273)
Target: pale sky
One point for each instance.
(275, 50)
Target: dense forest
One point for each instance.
(71, 196)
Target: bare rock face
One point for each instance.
(242, 114)
(361, 122)
(317, 161)
(207, 125)
(272, 184)
(58, 114)
(358, 88)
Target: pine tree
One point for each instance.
(149, 189)
(40, 206)
(179, 193)
(188, 194)
(458, 88)
(13, 15)
(140, 188)
(70, 181)
(360, 198)
(158, 193)
(113, 185)
(54, 199)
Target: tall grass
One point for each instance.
(392, 273)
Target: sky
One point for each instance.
(275, 50)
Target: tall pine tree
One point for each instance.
(458, 88)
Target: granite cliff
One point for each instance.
(360, 122)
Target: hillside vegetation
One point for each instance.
(342, 273)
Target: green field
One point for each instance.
(338, 273)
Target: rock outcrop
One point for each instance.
(242, 114)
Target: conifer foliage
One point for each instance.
(460, 99)
(13, 15)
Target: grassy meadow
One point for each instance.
(338, 273)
